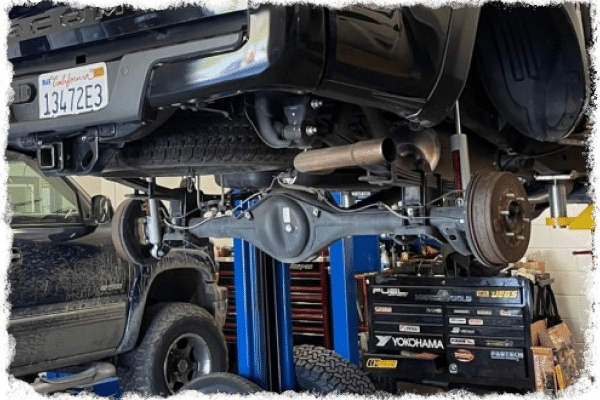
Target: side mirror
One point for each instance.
(102, 209)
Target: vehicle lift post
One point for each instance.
(263, 318)
(263, 307)
(347, 257)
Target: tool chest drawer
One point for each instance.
(455, 329)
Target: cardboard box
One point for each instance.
(554, 361)
(539, 266)
(536, 328)
(556, 337)
(544, 370)
(566, 365)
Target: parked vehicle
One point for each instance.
(76, 304)
(293, 102)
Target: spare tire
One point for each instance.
(321, 370)
(194, 143)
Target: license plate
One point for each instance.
(73, 91)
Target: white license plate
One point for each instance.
(73, 91)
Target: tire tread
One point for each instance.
(191, 142)
(322, 370)
(134, 366)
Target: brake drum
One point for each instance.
(498, 218)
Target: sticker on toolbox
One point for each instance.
(419, 356)
(509, 355)
(444, 296)
(515, 312)
(498, 295)
(422, 294)
(486, 342)
(464, 356)
(503, 343)
(409, 328)
(482, 366)
(489, 331)
(488, 321)
(409, 319)
(379, 363)
(461, 311)
(475, 321)
(409, 342)
(390, 291)
(462, 331)
(462, 341)
(410, 309)
(390, 328)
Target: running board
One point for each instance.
(97, 372)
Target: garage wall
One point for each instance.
(116, 193)
(92, 185)
(555, 247)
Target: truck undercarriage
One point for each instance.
(288, 104)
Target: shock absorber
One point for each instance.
(460, 158)
(152, 222)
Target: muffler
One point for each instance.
(368, 152)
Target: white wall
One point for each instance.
(92, 185)
(555, 247)
(116, 193)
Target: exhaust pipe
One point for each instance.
(368, 152)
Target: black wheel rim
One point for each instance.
(187, 358)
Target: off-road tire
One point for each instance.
(141, 369)
(189, 142)
(321, 370)
(222, 382)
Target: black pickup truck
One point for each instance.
(77, 306)
(290, 103)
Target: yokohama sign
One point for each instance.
(410, 342)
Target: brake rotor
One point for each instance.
(498, 218)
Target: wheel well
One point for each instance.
(180, 285)
(532, 68)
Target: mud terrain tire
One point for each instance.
(203, 146)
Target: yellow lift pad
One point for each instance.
(585, 220)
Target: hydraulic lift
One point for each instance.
(263, 307)
(489, 219)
